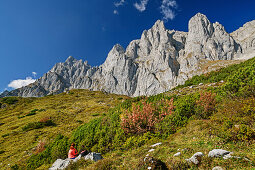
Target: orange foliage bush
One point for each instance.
(143, 119)
(44, 120)
(40, 147)
(206, 103)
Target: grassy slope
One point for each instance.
(223, 130)
(195, 137)
(197, 134)
(68, 111)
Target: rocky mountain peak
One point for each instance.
(118, 48)
(159, 25)
(199, 26)
(4, 93)
(70, 59)
(160, 60)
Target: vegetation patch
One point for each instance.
(37, 125)
(235, 73)
(10, 100)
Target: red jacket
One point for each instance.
(72, 153)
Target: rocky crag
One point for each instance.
(159, 61)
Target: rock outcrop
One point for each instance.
(160, 60)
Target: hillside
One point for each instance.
(27, 122)
(211, 111)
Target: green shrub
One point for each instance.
(242, 82)
(38, 125)
(80, 164)
(60, 148)
(185, 107)
(10, 100)
(236, 123)
(5, 135)
(15, 167)
(32, 112)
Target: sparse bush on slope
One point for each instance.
(144, 118)
(10, 100)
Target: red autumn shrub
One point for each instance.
(143, 119)
(40, 147)
(44, 120)
(206, 104)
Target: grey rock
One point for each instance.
(218, 153)
(217, 168)
(156, 144)
(60, 164)
(196, 158)
(228, 156)
(177, 154)
(151, 150)
(93, 156)
(157, 62)
(77, 158)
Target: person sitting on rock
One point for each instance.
(83, 151)
(72, 152)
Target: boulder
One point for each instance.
(177, 154)
(93, 156)
(151, 150)
(217, 168)
(77, 158)
(151, 163)
(156, 144)
(218, 153)
(196, 158)
(60, 164)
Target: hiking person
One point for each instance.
(72, 152)
(83, 151)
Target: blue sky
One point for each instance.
(36, 34)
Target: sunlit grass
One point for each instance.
(67, 111)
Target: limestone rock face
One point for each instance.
(205, 41)
(245, 36)
(160, 60)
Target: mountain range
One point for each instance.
(157, 62)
